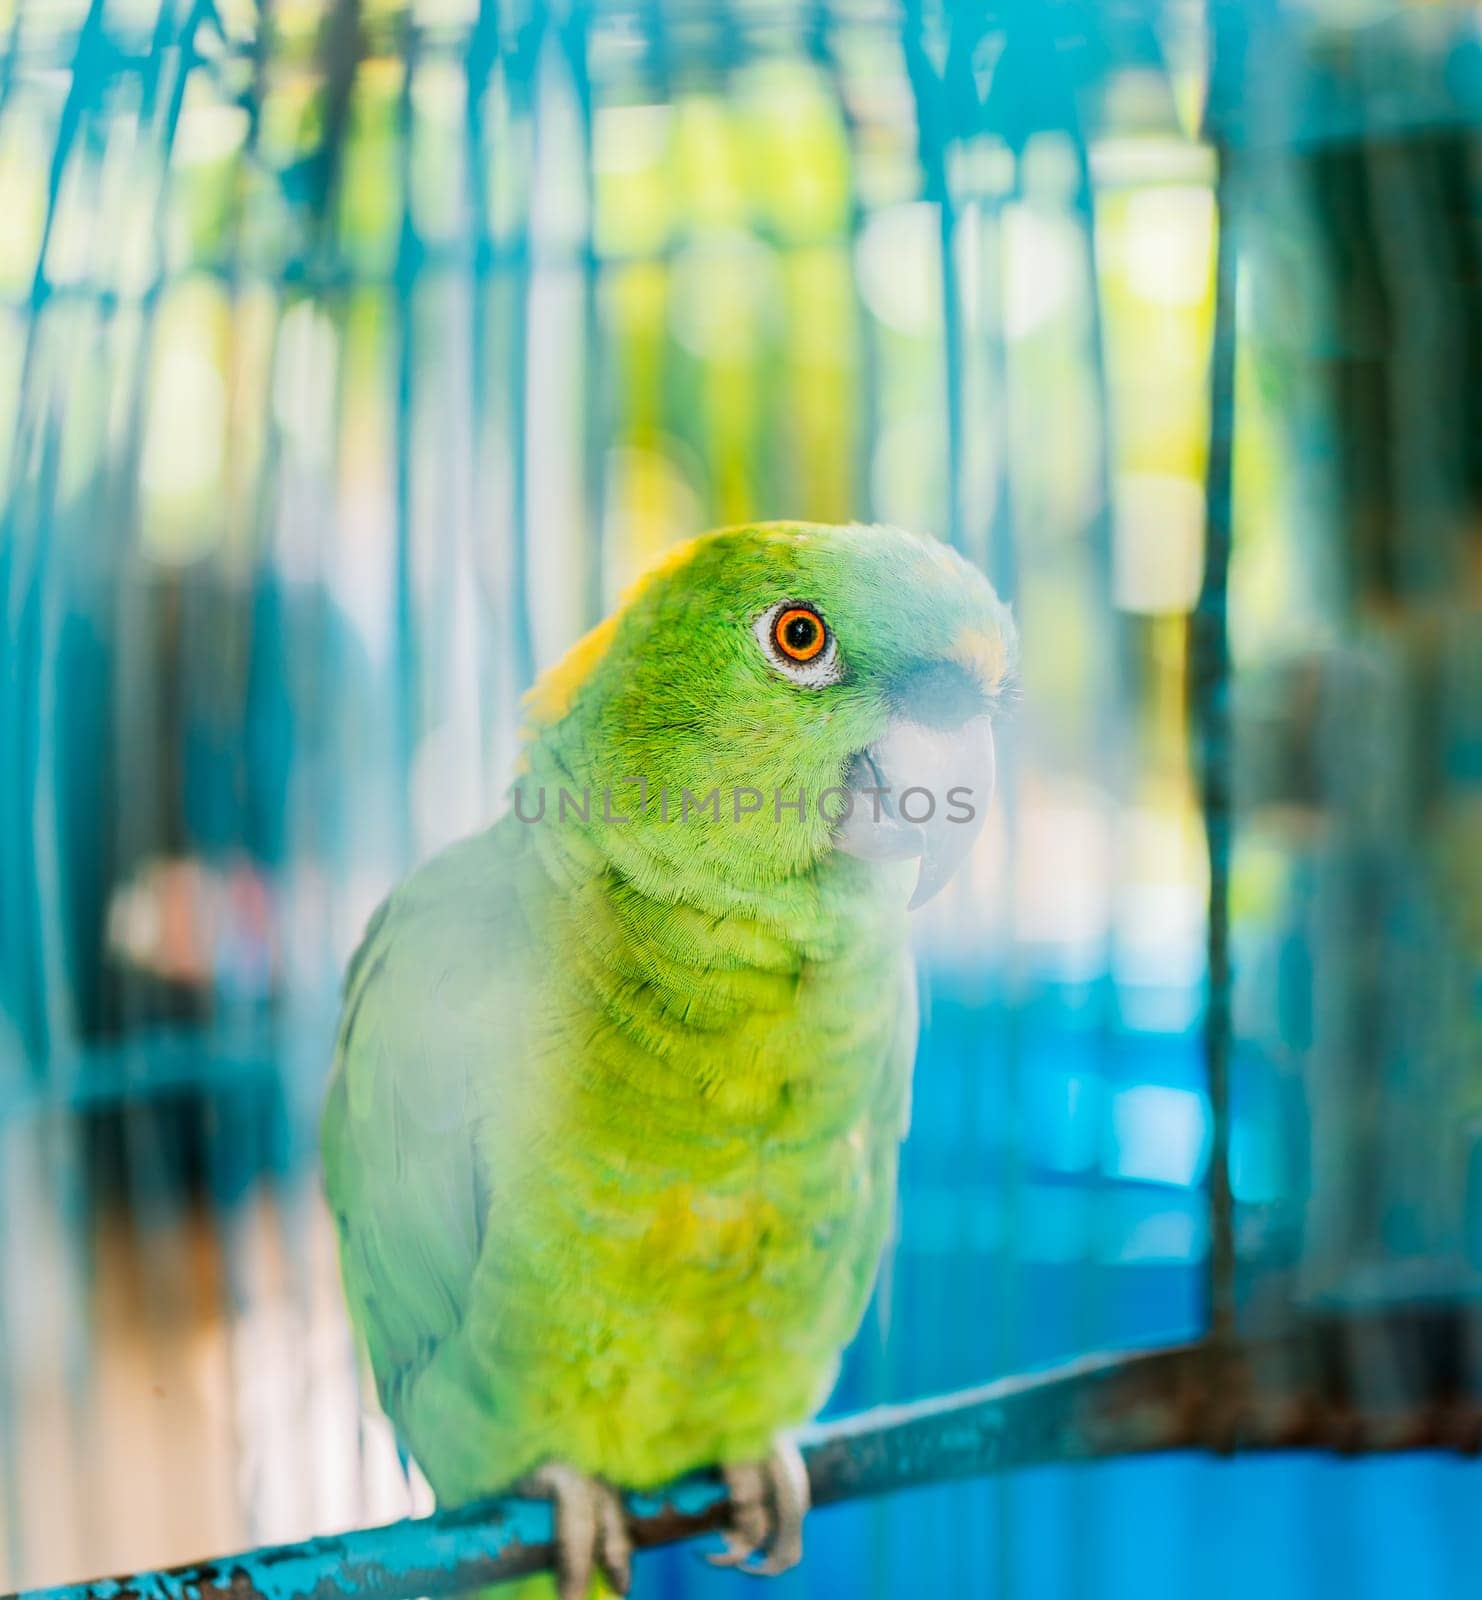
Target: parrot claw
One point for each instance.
(769, 1500)
(591, 1530)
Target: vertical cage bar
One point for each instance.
(1209, 662)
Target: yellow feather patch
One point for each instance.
(555, 690)
(983, 654)
(692, 1229)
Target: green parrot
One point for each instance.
(612, 1129)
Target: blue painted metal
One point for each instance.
(1123, 1403)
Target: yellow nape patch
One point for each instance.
(984, 654)
(556, 689)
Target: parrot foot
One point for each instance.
(769, 1500)
(591, 1530)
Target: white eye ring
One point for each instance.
(816, 673)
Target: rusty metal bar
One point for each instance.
(1300, 1389)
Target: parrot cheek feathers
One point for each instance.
(921, 793)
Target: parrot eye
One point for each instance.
(798, 643)
(799, 633)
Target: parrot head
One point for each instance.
(772, 693)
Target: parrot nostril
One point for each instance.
(939, 694)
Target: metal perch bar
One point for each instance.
(1300, 1390)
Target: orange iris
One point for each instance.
(799, 633)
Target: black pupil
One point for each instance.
(800, 633)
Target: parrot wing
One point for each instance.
(430, 1013)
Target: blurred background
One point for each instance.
(355, 354)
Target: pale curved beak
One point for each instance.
(920, 792)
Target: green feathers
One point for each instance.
(612, 1133)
